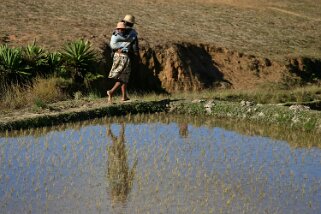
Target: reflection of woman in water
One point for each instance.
(119, 176)
(183, 129)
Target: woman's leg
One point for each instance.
(112, 91)
(124, 92)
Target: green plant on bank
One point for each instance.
(22, 65)
(55, 64)
(310, 124)
(11, 67)
(35, 60)
(263, 96)
(94, 95)
(79, 58)
(78, 95)
(40, 103)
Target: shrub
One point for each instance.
(35, 60)
(55, 64)
(79, 58)
(47, 90)
(11, 67)
(40, 93)
(14, 97)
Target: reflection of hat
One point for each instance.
(121, 25)
(130, 19)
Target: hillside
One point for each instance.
(269, 28)
(276, 38)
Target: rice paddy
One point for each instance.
(159, 163)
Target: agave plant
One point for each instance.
(55, 64)
(35, 59)
(79, 58)
(11, 68)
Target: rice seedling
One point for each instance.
(143, 163)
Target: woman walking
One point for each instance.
(121, 44)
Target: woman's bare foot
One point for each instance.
(125, 99)
(109, 96)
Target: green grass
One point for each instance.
(270, 95)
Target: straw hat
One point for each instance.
(121, 25)
(129, 18)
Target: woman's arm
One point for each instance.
(114, 42)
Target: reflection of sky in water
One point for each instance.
(67, 169)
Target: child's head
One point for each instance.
(121, 27)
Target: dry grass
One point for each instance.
(14, 97)
(42, 91)
(47, 90)
(269, 28)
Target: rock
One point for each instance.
(208, 106)
(299, 107)
(198, 101)
(261, 114)
(246, 103)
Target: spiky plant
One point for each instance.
(79, 58)
(11, 68)
(55, 64)
(35, 59)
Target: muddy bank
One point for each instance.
(79, 114)
(184, 67)
(295, 117)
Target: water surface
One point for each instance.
(160, 164)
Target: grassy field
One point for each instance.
(274, 29)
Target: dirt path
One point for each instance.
(294, 14)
